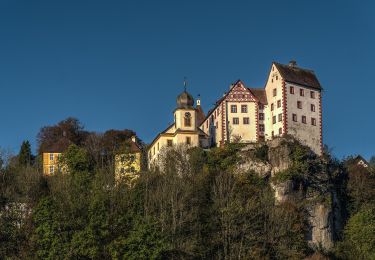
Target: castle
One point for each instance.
(290, 103)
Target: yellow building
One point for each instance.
(128, 164)
(184, 131)
(51, 163)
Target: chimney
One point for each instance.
(231, 86)
(134, 139)
(224, 94)
(292, 63)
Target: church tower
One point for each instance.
(185, 117)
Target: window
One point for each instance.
(274, 119)
(277, 77)
(312, 94)
(304, 119)
(261, 127)
(272, 107)
(243, 108)
(261, 116)
(280, 117)
(302, 92)
(312, 107)
(313, 121)
(236, 121)
(187, 119)
(274, 92)
(291, 89)
(278, 103)
(51, 169)
(299, 104)
(51, 157)
(217, 125)
(233, 108)
(169, 142)
(273, 134)
(246, 121)
(261, 106)
(188, 140)
(294, 116)
(280, 131)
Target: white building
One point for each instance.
(290, 103)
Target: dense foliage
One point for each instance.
(196, 206)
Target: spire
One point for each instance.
(185, 84)
(199, 100)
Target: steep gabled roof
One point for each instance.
(294, 74)
(134, 147)
(58, 147)
(256, 95)
(200, 115)
(260, 94)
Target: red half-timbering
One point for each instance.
(321, 124)
(285, 107)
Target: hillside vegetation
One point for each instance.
(200, 204)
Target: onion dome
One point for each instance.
(185, 100)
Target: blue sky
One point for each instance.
(121, 64)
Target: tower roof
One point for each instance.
(185, 100)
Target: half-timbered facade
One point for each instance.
(236, 116)
(290, 103)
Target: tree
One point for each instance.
(359, 236)
(372, 161)
(25, 156)
(61, 135)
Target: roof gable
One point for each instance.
(297, 75)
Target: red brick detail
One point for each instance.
(223, 123)
(257, 120)
(285, 109)
(320, 121)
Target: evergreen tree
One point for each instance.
(25, 155)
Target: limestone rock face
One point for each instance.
(260, 167)
(283, 191)
(314, 193)
(321, 223)
(278, 155)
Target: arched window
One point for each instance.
(187, 119)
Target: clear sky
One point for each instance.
(121, 64)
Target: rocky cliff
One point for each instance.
(297, 175)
